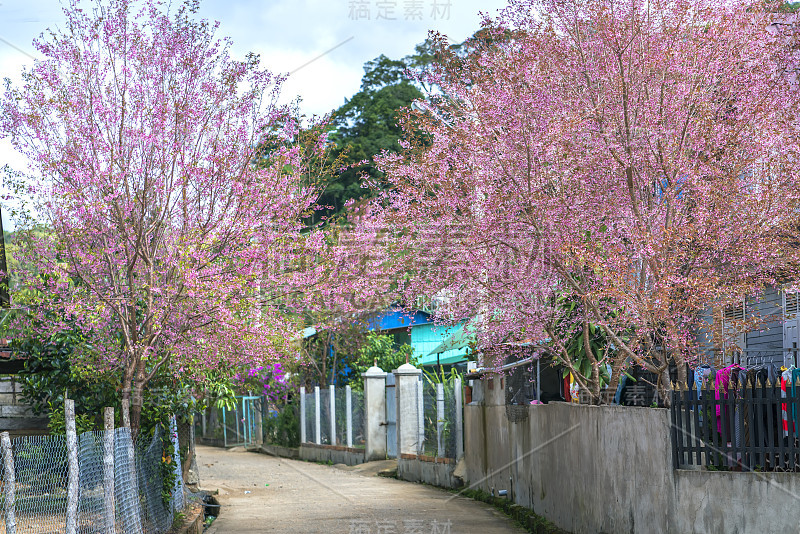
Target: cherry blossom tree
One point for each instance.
(170, 186)
(635, 157)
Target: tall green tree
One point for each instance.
(367, 124)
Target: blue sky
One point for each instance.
(287, 34)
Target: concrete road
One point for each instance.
(307, 498)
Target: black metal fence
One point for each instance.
(752, 427)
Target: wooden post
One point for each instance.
(72, 465)
(10, 483)
(126, 413)
(302, 414)
(177, 490)
(348, 400)
(108, 469)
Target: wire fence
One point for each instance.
(121, 497)
(309, 417)
(441, 419)
(430, 419)
(452, 419)
(358, 418)
(439, 423)
(325, 415)
(329, 408)
(341, 415)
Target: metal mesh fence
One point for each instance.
(325, 415)
(91, 501)
(430, 418)
(310, 411)
(450, 421)
(156, 515)
(40, 471)
(440, 428)
(126, 484)
(41, 484)
(341, 416)
(358, 419)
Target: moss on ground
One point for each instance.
(525, 517)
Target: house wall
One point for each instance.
(604, 469)
(15, 416)
(765, 342)
(769, 338)
(426, 337)
(704, 338)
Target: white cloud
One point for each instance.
(287, 34)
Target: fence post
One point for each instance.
(317, 433)
(303, 414)
(459, 422)
(260, 410)
(420, 416)
(374, 414)
(72, 463)
(108, 469)
(408, 412)
(348, 401)
(10, 484)
(332, 389)
(440, 420)
(126, 413)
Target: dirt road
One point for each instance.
(260, 493)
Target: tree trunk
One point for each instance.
(683, 377)
(664, 385)
(137, 397)
(587, 348)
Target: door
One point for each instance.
(391, 417)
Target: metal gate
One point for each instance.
(241, 425)
(391, 417)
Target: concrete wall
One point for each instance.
(277, 450)
(608, 469)
(331, 453)
(428, 470)
(736, 503)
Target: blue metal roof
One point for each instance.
(395, 318)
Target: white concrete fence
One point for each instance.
(429, 417)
